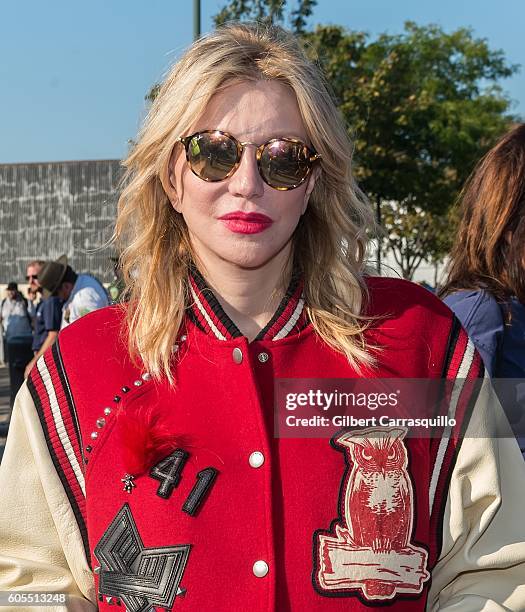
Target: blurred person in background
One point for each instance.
(81, 293)
(47, 315)
(34, 290)
(33, 270)
(18, 336)
(485, 286)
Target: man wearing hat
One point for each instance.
(82, 293)
(67, 293)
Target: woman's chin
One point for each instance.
(247, 256)
(248, 251)
(248, 260)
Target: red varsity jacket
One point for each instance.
(187, 501)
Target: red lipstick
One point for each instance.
(246, 223)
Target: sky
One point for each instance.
(73, 75)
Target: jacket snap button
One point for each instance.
(263, 357)
(237, 355)
(260, 569)
(256, 459)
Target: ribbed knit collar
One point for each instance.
(206, 312)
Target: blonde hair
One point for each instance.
(330, 241)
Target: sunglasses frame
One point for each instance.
(312, 156)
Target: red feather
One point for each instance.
(145, 440)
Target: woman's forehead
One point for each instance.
(251, 110)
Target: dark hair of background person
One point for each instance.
(489, 250)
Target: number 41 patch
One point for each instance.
(168, 472)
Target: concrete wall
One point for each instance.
(48, 209)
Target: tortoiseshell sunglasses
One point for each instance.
(283, 163)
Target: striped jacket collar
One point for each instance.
(206, 312)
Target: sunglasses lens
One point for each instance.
(284, 164)
(212, 155)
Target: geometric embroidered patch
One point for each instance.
(141, 577)
(369, 551)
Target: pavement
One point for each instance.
(4, 404)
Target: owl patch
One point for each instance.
(368, 551)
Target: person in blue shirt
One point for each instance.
(485, 286)
(47, 318)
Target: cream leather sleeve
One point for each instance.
(482, 563)
(40, 543)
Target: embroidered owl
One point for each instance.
(378, 502)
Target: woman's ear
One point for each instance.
(171, 188)
(314, 175)
(172, 192)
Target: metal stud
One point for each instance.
(183, 338)
(94, 435)
(107, 411)
(125, 389)
(101, 422)
(138, 383)
(146, 376)
(263, 357)
(89, 449)
(116, 399)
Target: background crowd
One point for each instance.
(56, 297)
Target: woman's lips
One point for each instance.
(246, 223)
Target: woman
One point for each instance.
(154, 468)
(16, 323)
(485, 286)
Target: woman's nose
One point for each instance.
(246, 182)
